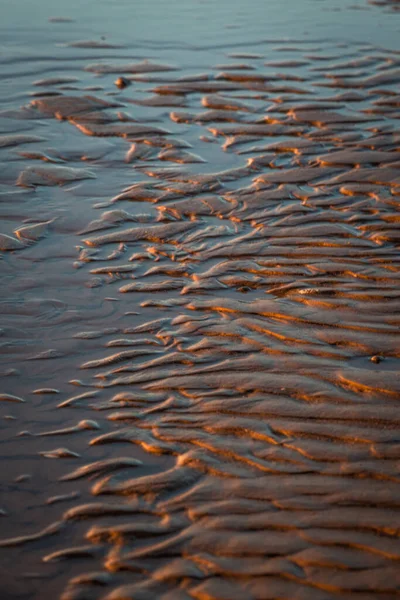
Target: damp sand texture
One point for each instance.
(200, 301)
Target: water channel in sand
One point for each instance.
(200, 308)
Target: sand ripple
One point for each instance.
(244, 331)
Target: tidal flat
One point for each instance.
(200, 300)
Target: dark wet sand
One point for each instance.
(200, 309)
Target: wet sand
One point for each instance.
(200, 303)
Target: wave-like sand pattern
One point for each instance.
(262, 354)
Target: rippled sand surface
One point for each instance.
(200, 302)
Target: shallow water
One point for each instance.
(200, 300)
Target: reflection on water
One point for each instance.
(200, 301)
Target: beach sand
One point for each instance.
(200, 301)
